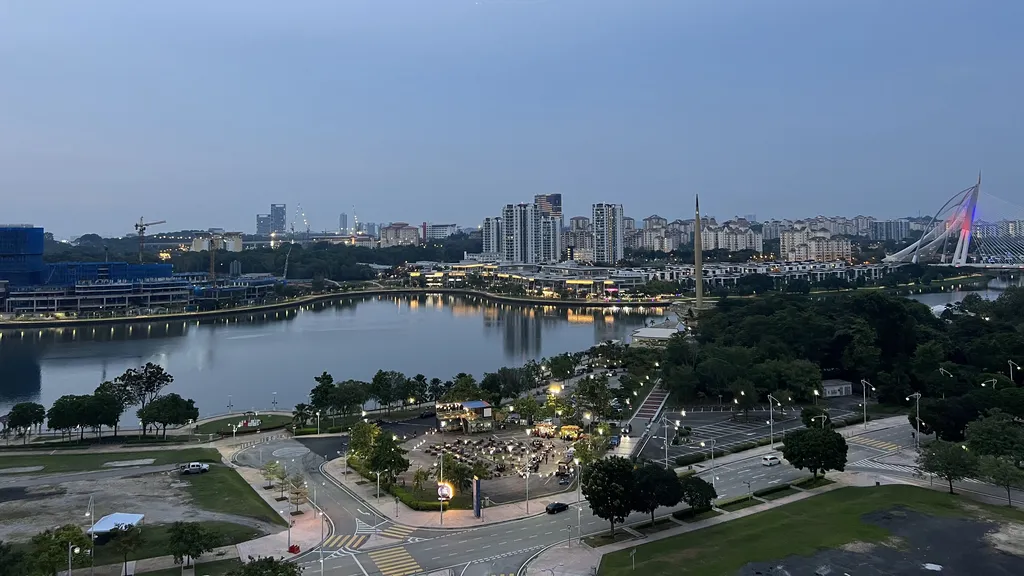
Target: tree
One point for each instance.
(463, 388)
(608, 485)
(592, 393)
(267, 567)
(387, 458)
(24, 416)
(698, 493)
(386, 387)
(562, 367)
(50, 548)
(67, 413)
(301, 415)
(281, 476)
(320, 395)
(527, 407)
(102, 408)
(12, 562)
(122, 396)
(1001, 472)
(816, 450)
(190, 540)
(126, 539)
(744, 396)
(143, 385)
(270, 472)
(362, 437)
(297, 492)
(811, 416)
(168, 410)
(654, 487)
(997, 434)
(349, 397)
(947, 460)
(456, 473)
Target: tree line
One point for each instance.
(105, 407)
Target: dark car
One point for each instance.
(556, 507)
(428, 414)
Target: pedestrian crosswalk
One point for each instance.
(394, 562)
(347, 541)
(903, 468)
(397, 531)
(872, 443)
(364, 528)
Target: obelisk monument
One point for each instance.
(698, 259)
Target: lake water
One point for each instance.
(244, 361)
(995, 288)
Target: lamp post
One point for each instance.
(823, 417)
(318, 422)
(90, 513)
(864, 385)
(378, 486)
(274, 402)
(230, 404)
(1012, 366)
(528, 489)
(992, 380)
(917, 437)
(579, 500)
(702, 444)
(816, 394)
(664, 428)
(321, 513)
(72, 549)
(771, 419)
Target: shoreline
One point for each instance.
(975, 283)
(298, 302)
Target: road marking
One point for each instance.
(872, 443)
(397, 531)
(350, 541)
(394, 562)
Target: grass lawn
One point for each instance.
(81, 462)
(739, 505)
(827, 520)
(603, 539)
(223, 490)
(702, 516)
(659, 525)
(158, 535)
(780, 494)
(215, 568)
(812, 483)
(223, 425)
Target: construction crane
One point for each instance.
(140, 227)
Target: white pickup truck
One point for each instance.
(194, 468)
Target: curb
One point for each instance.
(359, 498)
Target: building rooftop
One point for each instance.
(471, 404)
(655, 333)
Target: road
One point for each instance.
(501, 549)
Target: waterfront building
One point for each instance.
(21, 254)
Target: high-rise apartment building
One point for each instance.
(438, 231)
(801, 243)
(491, 232)
(343, 224)
(551, 205)
(529, 235)
(264, 227)
(895, 230)
(608, 244)
(579, 224)
(278, 218)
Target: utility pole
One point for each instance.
(917, 437)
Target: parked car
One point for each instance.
(770, 460)
(428, 414)
(194, 468)
(563, 481)
(556, 507)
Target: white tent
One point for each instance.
(111, 521)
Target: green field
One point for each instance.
(62, 462)
(827, 520)
(215, 568)
(223, 425)
(157, 536)
(223, 490)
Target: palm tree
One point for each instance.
(301, 415)
(419, 477)
(435, 390)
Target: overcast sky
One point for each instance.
(204, 112)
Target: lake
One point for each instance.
(244, 361)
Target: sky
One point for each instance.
(203, 113)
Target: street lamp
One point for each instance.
(90, 513)
(702, 444)
(664, 428)
(579, 500)
(72, 549)
(771, 419)
(274, 402)
(823, 417)
(816, 394)
(864, 385)
(917, 437)
(318, 422)
(992, 380)
(1012, 366)
(378, 486)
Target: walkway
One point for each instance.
(648, 409)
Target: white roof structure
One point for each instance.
(654, 333)
(110, 522)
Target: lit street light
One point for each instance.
(72, 549)
(318, 422)
(771, 419)
(993, 381)
(713, 479)
(864, 385)
(917, 437)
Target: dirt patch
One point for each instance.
(21, 470)
(160, 496)
(858, 547)
(126, 463)
(1009, 538)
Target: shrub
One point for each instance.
(771, 490)
(688, 513)
(304, 431)
(690, 459)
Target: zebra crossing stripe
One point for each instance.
(899, 468)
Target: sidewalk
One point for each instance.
(645, 412)
(388, 508)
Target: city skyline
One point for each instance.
(199, 113)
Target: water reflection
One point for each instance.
(254, 355)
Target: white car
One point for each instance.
(194, 468)
(770, 460)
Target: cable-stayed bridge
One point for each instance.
(956, 237)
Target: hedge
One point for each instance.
(771, 490)
(401, 493)
(688, 513)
